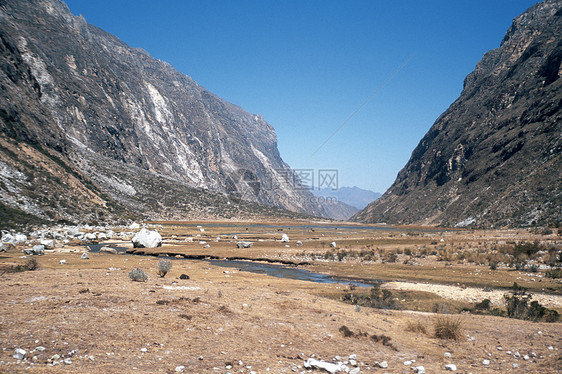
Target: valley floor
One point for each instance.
(222, 320)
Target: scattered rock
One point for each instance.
(333, 245)
(207, 246)
(419, 370)
(134, 226)
(184, 276)
(37, 250)
(451, 367)
(299, 243)
(67, 361)
(382, 365)
(147, 239)
(244, 244)
(180, 369)
(62, 262)
(515, 365)
(355, 371)
(284, 238)
(312, 363)
(40, 348)
(90, 236)
(85, 256)
(48, 243)
(109, 250)
(485, 362)
(20, 353)
(408, 363)
(526, 357)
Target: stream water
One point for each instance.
(274, 270)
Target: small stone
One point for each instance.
(228, 367)
(144, 350)
(180, 369)
(67, 361)
(40, 348)
(62, 262)
(486, 362)
(355, 371)
(383, 365)
(353, 362)
(284, 238)
(500, 349)
(20, 353)
(517, 355)
(447, 354)
(201, 358)
(515, 365)
(550, 348)
(55, 357)
(419, 370)
(408, 363)
(353, 357)
(526, 358)
(508, 352)
(299, 243)
(451, 367)
(84, 256)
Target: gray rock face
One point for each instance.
(147, 239)
(122, 127)
(494, 157)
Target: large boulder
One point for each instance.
(37, 250)
(8, 238)
(147, 239)
(284, 238)
(20, 238)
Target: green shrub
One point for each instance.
(164, 267)
(138, 275)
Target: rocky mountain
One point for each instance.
(90, 127)
(494, 157)
(353, 196)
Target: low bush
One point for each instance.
(519, 305)
(448, 328)
(164, 267)
(416, 326)
(138, 275)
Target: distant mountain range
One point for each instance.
(494, 158)
(354, 196)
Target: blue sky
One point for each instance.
(308, 65)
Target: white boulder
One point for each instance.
(333, 245)
(147, 239)
(37, 250)
(20, 238)
(332, 368)
(284, 238)
(242, 244)
(134, 226)
(48, 243)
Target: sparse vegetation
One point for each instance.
(377, 298)
(519, 305)
(164, 267)
(138, 275)
(416, 326)
(448, 328)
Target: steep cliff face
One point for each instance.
(71, 91)
(494, 158)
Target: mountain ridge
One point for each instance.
(70, 90)
(493, 158)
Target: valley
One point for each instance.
(209, 322)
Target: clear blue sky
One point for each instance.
(308, 65)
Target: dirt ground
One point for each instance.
(222, 320)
